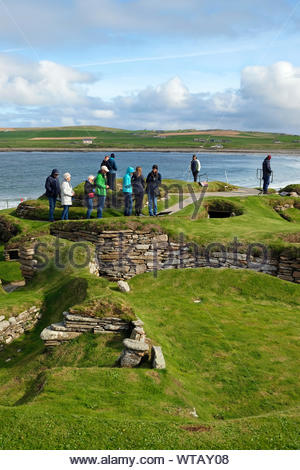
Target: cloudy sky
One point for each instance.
(153, 64)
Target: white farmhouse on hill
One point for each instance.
(87, 141)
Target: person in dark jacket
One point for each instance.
(195, 167)
(89, 194)
(153, 182)
(105, 161)
(52, 192)
(111, 177)
(266, 168)
(138, 188)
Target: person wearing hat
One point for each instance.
(153, 182)
(52, 192)
(112, 166)
(89, 194)
(266, 168)
(101, 187)
(127, 191)
(66, 195)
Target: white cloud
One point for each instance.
(40, 84)
(277, 85)
(103, 113)
(268, 99)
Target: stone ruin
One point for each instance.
(137, 347)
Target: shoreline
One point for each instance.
(161, 150)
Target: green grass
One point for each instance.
(39, 210)
(292, 188)
(119, 138)
(259, 223)
(10, 271)
(178, 186)
(234, 357)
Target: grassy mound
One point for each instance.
(259, 223)
(233, 356)
(291, 188)
(179, 186)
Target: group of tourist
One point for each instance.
(134, 188)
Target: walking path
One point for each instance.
(241, 192)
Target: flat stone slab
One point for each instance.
(138, 322)
(135, 345)
(58, 327)
(158, 358)
(51, 335)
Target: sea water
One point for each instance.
(23, 174)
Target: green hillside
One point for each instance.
(233, 357)
(102, 137)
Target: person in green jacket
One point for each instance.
(101, 187)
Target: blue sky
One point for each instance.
(150, 64)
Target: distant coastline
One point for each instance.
(149, 149)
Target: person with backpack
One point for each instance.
(266, 169)
(195, 167)
(52, 187)
(153, 182)
(101, 189)
(127, 191)
(66, 196)
(138, 187)
(89, 194)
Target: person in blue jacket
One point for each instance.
(127, 191)
(52, 192)
(111, 177)
(266, 168)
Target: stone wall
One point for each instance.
(73, 326)
(136, 348)
(29, 263)
(123, 254)
(126, 253)
(15, 326)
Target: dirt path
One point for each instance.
(241, 192)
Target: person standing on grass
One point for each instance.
(89, 194)
(66, 196)
(266, 168)
(195, 167)
(112, 166)
(101, 188)
(52, 192)
(138, 187)
(127, 191)
(153, 182)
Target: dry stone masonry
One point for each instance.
(73, 326)
(15, 326)
(136, 347)
(123, 254)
